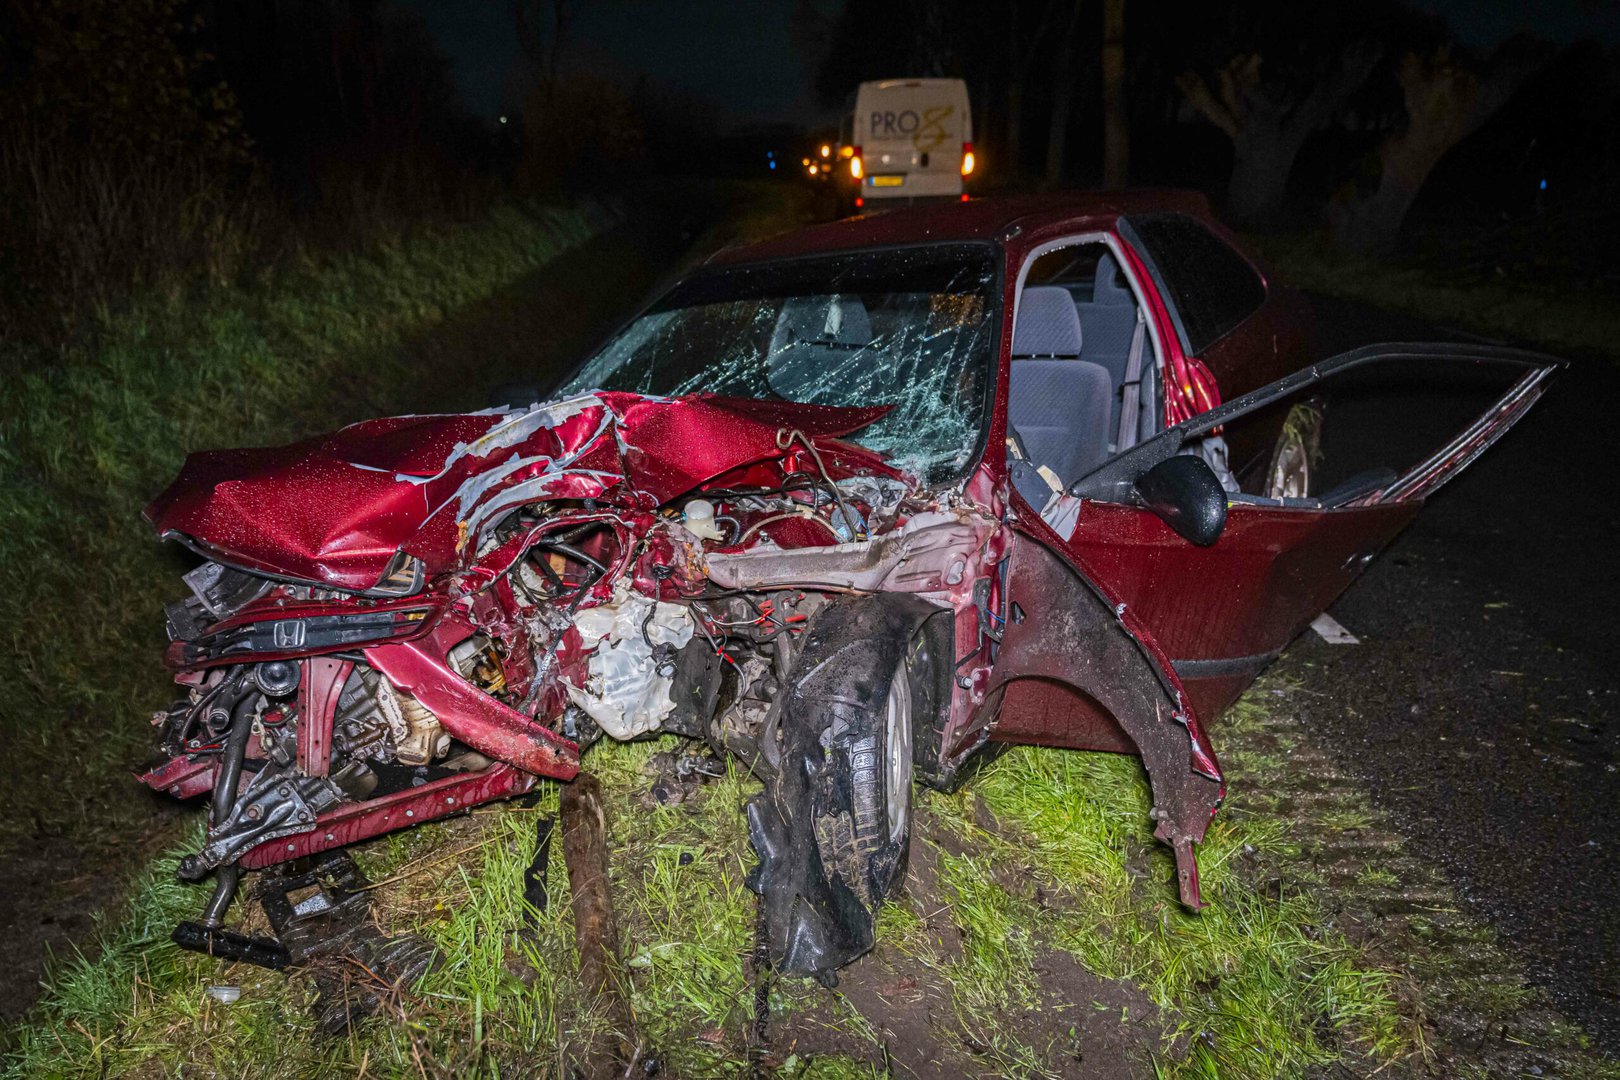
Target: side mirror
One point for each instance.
(1187, 496)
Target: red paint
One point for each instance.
(353, 822)
(318, 693)
(466, 712)
(182, 777)
(336, 509)
(1272, 571)
(1045, 712)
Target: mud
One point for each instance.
(1084, 1026)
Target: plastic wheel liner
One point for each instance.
(1061, 628)
(819, 882)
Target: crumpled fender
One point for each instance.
(1068, 632)
(338, 508)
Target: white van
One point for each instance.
(911, 139)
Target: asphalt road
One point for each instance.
(1482, 707)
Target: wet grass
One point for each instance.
(92, 429)
(1048, 850)
(1538, 309)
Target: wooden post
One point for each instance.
(601, 968)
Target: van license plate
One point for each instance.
(888, 181)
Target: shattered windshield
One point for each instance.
(912, 328)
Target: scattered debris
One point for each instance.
(1330, 631)
(677, 775)
(225, 995)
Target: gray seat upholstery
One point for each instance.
(1110, 323)
(814, 339)
(1058, 404)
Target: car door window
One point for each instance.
(1210, 287)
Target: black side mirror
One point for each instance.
(1187, 496)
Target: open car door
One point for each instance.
(1144, 599)
(1386, 436)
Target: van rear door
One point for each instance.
(912, 133)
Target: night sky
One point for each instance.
(741, 56)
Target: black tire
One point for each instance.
(833, 828)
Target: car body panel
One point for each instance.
(1116, 634)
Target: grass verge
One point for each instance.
(92, 429)
(1561, 319)
(1047, 855)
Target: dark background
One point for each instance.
(170, 142)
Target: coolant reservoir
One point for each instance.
(699, 519)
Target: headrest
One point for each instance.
(823, 320)
(815, 336)
(1109, 286)
(1048, 323)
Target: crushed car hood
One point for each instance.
(337, 509)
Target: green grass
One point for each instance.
(1255, 986)
(1542, 310)
(90, 430)
(1251, 982)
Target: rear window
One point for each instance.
(1211, 288)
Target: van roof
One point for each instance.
(890, 84)
(980, 219)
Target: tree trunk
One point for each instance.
(1445, 103)
(1057, 134)
(1370, 225)
(1262, 159)
(1015, 124)
(1116, 127)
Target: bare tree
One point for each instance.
(1446, 101)
(1269, 119)
(1116, 125)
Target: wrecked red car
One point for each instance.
(854, 505)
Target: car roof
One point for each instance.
(978, 220)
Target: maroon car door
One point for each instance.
(1221, 612)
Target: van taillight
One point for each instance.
(856, 169)
(968, 160)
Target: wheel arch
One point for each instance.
(1061, 628)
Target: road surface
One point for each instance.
(1481, 705)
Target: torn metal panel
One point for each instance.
(932, 552)
(1068, 634)
(470, 715)
(355, 821)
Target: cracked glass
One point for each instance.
(912, 328)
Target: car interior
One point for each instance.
(1083, 369)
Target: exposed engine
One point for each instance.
(317, 713)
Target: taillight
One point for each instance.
(856, 169)
(968, 160)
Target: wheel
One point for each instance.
(1297, 453)
(833, 827)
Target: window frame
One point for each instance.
(1167, 292)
